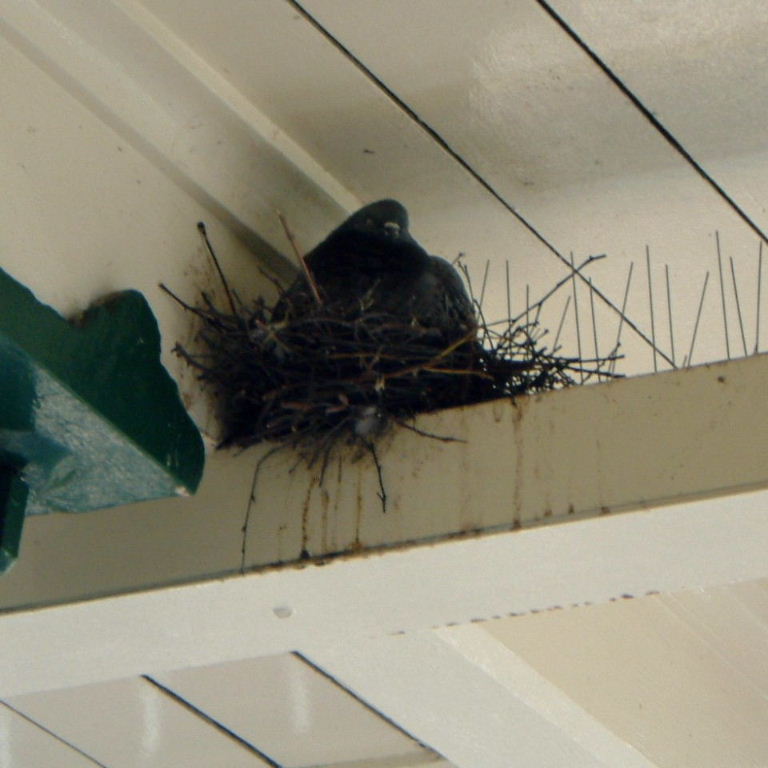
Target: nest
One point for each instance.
(339, 373)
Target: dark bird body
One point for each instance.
(371, 264)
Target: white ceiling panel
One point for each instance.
(275, 57)
(132, 724)
(509, 91)
(512, 93)
(733, 621)
(711, 52)
(517, 99)
(662, 673)
(24, 744)
(292, 712)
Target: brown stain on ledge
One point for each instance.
(305, 518)
(497, 409)
(518, 406)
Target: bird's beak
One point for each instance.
(392, 228)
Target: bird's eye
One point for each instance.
(392, 226)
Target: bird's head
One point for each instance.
(372, 242)
(385, 219)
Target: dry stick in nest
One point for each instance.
(297, 253)
(204, 234)
(576, 270)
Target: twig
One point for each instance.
(485, 280)
(302, 261)
(442, 354)
(188, 307)
(465, 271)
(562, 320)
(431, 435)
(559, 284)
(622, 314)
(304, 382)
(204, 234)
(272, 279)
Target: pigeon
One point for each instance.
(371, 264)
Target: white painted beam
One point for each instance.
(694, 545)
(475, 702)
(148, 85)
(550, 459)
(622, 446)
(584, 451)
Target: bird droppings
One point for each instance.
(305, 522)
(498, 411)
